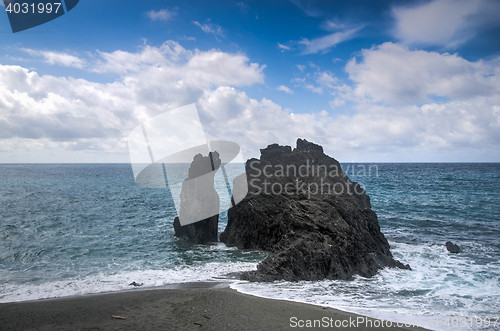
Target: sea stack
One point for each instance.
(199, 197)
(303, 209)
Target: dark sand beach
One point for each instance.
(192, 307)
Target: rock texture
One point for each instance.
(304, 210)
(199, 197)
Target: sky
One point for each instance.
(371, 81)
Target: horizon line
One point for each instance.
(386, 162)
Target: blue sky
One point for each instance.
(386, 81)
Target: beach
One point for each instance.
(197, 306)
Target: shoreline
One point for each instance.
(190, 306)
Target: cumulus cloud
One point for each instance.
(421, 101)
(447, 23)
(57, 58)
(416, 133)
(420, 105)
(317, 81)
(160, 15)
(314, 89)
(58, 108)
(125, 62)
(395, 74)
(172, 62)
(72, 113)
(43, 116)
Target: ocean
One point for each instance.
(75, 229)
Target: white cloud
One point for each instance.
(45, 118)
(394, 74)
(326, 79)
(408, 105)
(57, 58)
(219, 68)
(323, 44)
(257, 123)
(318, 81)
(148, 56)
(284, 47)
(314, 89)
(160, 15)
(171, 61)
(62, 103)
(410, 133)
(448, 23)
(332, 25)
(430, 104)
(52, 115)
(285, 89)
(211, 28)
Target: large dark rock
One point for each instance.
(201, 232)
(304, 210)
(452, 248)
(198, 198)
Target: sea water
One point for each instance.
(73, 229)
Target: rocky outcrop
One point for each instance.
(198, 198)
(452, 248)
(303, 209)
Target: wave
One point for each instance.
(119, 281)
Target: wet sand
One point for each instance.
(192, 307)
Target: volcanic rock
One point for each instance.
(303, 209)
(452, 248)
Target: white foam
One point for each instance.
(119, 281)
(441, 288)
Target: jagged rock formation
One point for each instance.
(304, 210)
(199, 197)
